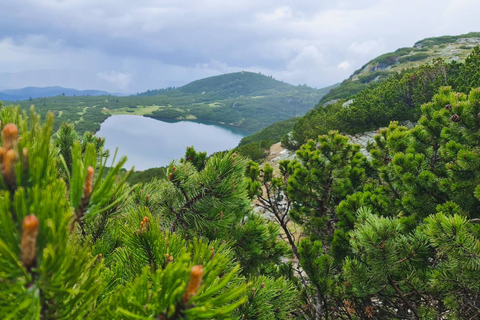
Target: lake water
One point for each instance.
(150, 143)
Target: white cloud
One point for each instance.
(118, 79)
(344, 65)
(277, 14)
(368, 47)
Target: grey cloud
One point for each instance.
(131, 46)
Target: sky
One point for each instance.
(125, 46)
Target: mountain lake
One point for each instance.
(150, 143)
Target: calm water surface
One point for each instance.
(150, 143)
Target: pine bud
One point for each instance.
(147, 200)
(9, 136)
(262, 286)
(144, 225)
(88, 187)
(196, 275)
(29, 240)
(25, 159)
(173, 169)
(170, 176)
(448, 107)
(8, 169)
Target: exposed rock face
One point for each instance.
(364, 138)
(347, 103)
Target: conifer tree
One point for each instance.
(89, 250)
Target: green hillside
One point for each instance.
(245, 100)
(398, 98)
(449, 48)
(235, 84)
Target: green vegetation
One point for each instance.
(273, 132)
(146, 176)
(246, 100)
(257, 145)
(393, 237)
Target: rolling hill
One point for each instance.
(246, 100)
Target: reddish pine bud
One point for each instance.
(170, 176)
(174, 168)
(144, 225)
(147, 200)
(9, 136)
(196, 275)
(8, 169)
(29, 240)
(88, 187)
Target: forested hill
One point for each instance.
(230, 85)
(448, 48)
(246, 100)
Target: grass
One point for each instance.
(139, 110)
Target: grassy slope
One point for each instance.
(277, 130)
(246, 100)
(424, 51)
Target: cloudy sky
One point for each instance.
(130, 46)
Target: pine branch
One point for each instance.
(404, 299)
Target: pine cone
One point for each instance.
(448, 107)
(455, 118)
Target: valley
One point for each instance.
(244, 100)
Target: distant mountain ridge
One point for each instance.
(43, 92)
